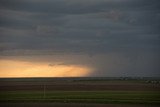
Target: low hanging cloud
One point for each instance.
(90, 28)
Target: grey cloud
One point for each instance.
(75, 6)
(85, 27)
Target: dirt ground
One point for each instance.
(68, 105)
(77, 86)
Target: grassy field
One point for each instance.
(71, 90)
(111, 97)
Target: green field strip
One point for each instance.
(118, 97)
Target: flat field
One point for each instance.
(79, 92)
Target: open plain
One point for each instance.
(79, 92)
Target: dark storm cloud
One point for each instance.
(89, 27)
(61, 24)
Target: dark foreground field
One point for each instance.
(70, 105)
(79, 92)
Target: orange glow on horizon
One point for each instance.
(9, 68)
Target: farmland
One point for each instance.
(80, 91)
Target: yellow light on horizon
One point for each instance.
(12, 68)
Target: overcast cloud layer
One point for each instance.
(115, 37)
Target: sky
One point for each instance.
(79, 38)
